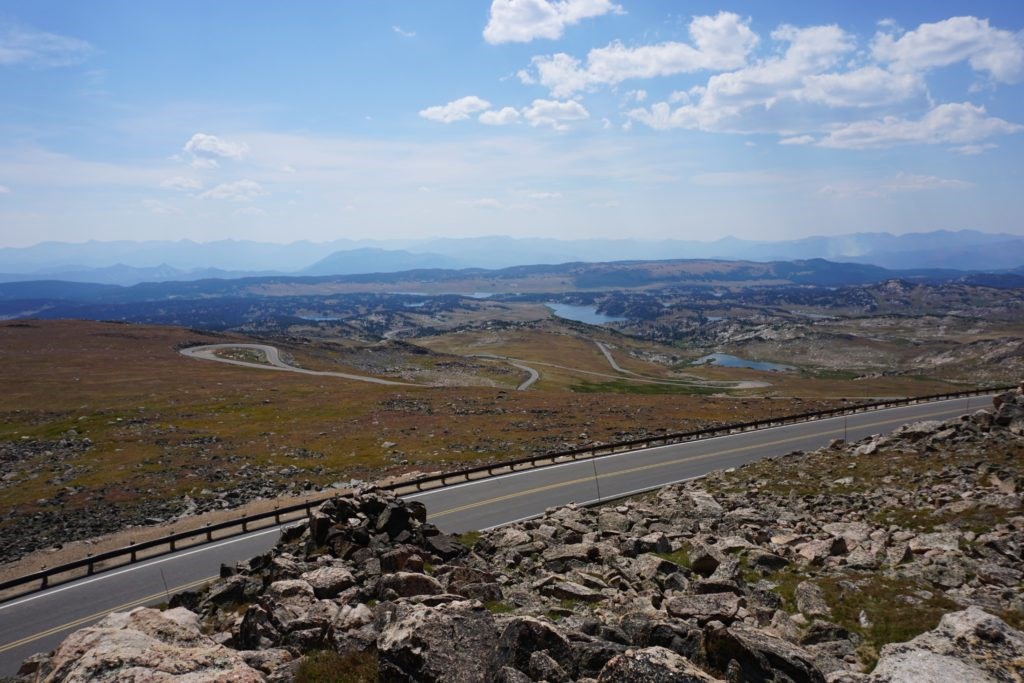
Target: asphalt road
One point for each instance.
(208, 352)
(40, 621)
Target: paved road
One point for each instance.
(40, 621)
(208, 352)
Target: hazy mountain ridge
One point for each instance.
(129, 263)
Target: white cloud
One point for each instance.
(797, 140)
(40, 49)
(544, 195)
(970, 150)
(4, 189)
(520, 21)
(159, 208)
(182, 184)
(722, 42)
(402, 32)
(899, 183)
(992, 50)
(483, 203)
(206, 148)
(237, 191)
(638, 95)
(249, 211)
(554, 113)
(456, 110)
(501, 117)
(953, 123)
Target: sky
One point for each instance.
(531, 118)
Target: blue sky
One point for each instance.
(572, 118)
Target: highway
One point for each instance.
(38, 622)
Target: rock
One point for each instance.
(569, 590)
(147, 644)
(758, 656)
(817, 550)
(810, 600)
(522, 636)
(408, 584)
(970, 645)
(942, 541)
(705, 608)
(450, 642)
(543, 668)
(327, 582)
(652, 665)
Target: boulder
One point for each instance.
(810, 600)
(450, 642)
(328, 581)
(522, 636)
(970, 645)
(704, 608)
(147, 645)
(758, 656)
(652, 665)
(408, 584)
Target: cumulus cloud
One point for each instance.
(720, 42)
(554, 113)
(182, 184)
(402, 32)
(4, 189)
(500, 117)
(456, 110)
(797, 140)
(20, 45)
(998, 52)
(520, 21)
(953, 123)
(206, 149)
(237, 191)
(899, 183)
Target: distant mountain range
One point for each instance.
(128, 263)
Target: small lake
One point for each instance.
(583, 314)
(727, 361)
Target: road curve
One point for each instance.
(208, 352)
(40, 621)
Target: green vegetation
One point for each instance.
(680, 557)
(469, 538)
(498, 606)
(897, 609)
(327, 666)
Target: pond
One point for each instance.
(727, 361)
(583, 314)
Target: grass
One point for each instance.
(898, 609)
(679, 557)
(625, 387)
(328, 666)
(498, 607)
(469, 538)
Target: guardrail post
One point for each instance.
(172, 545)
(91, 568)
(209, 533)
(133, 558)
(46, 578)
(277, 516)
(245, 526)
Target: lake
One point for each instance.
(727, 361)
(583, 314)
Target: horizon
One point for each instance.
(582, 119)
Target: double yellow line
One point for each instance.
(657, 465)
(99, 615)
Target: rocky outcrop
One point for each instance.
(797, 569)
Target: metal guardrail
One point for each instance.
(205, 534)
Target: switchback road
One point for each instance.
(40, 621)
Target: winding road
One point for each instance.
(209, 352)
(41, 620)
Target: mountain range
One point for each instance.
(132, 262)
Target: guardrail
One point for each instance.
(131, 553)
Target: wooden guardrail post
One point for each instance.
(133, 558)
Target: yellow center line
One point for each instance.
(667, 463)
(98, 615)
